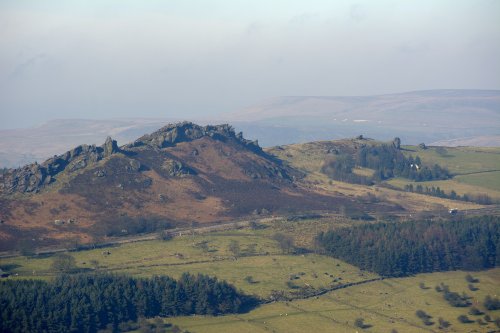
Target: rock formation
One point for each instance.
(34, 177)
(172, 134)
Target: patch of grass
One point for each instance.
(485, 180)
(456, 184)
(304, 231)
(310, 157)
(386, 305)
(265, 264)
(363, 171)
(273, 272)
(473, 167)
(459, 160)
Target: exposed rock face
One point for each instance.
(176, 168)
(33, 177)
(110, 147)
(172, 134)
(26, 179)
(267, 172)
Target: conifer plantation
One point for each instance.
(402, 249)
(88, 303)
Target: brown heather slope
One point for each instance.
(179, 175)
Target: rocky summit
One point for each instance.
(34, 177)
(172, 134)
(178, 175)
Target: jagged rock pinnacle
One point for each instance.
(110, 146)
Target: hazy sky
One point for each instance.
(146, 58)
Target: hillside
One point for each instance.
(473, 172)
(184, 175)
(180, 175)
(252, 217)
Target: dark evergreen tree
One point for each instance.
(88, 303)
(402, 249)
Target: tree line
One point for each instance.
(387, 160)
(480, 198)
(91, 302)
(341, 168)
(402, 249)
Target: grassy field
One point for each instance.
(384, 306)
(310, 156)
(412, 202)
(456, 184)
(459, 160)
(485, 180)
(260, 267)
(470, 162)
(476, 170)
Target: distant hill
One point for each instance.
(475, 141)
(420, 116)
(437, 117)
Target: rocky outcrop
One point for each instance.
(26, 179)
(173, 134)
(269, 171)
(110, 147)
(176, 168)
(33, 177)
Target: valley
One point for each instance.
(258, 265)
(249, 166)
(204, 200)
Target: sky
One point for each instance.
(187, 58)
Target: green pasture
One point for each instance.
(486, 180)
(384, 306)
(459, 160)
(460, 184)
(259, 268)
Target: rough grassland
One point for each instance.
(459, 160)
(268, 267)
(385, 305)
(460, 184)
(488, 180)
(476, 170)
(309, 157)
(410, 201)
